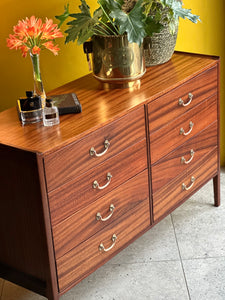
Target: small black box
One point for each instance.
(67, 103)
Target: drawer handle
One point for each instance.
(102, 247)
(184, 187)
(181, 102)
(186, 162)
(191, 125)
(99, 217)
(96, 185)
(93, 152)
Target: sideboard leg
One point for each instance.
(52, 292)
(216, 187)
(53, 296)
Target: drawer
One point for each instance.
(79, 193)
(166, 108)
(168, 137)
(173, 194)
(173, 164)
(85, 258)
(84, 224)
(75, 159)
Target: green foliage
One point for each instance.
(64, 16)
(152, 26)
(108, 19)
(168, 12)
(145, 18)
(131, 23)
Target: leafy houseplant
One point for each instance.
(160, 45)
(117, 36)
(110, 18)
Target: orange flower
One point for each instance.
(13, 42)
(50, 46)
(32, 35)
(36, 50)
(50, 30)
(24, 50)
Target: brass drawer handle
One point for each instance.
(92, 151)
(99, 217)
(181, 102)
(186, 162)
(102, 247)
(184, 187)
(96, 185)
(191, 125)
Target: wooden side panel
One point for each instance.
(83, 224)
(22, 233)
(166, 108)
(70, 162)
(79, 193)
(85, 258)
(171, 166)
(171, 195)
(168, 137)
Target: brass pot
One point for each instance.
(115, 60)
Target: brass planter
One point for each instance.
(116, 61)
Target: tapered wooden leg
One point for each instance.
(53, 296)
(216, 187)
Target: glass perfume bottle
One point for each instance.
(50, 113)
(30, 108)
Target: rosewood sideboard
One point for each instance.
(75, 194)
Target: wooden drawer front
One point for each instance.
(71, 161)
(83, 224)
(171, 195)
(79, 193)
(87, 257)
(172, 165)
(167, 108)
(168, 137)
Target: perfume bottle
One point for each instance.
(30, 108)
(50, 113)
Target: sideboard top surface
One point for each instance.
(100, 106)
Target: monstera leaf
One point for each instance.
(131, 23)
(83, 25)
(179, 11)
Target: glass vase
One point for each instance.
(38, 85)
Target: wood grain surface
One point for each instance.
(79, 193)
(170, 166)
(166, 108)
(86, 257)
(83, 224)
(168, 137)
(99, 107)
(50, 237)
(172, 194)
(73, 160)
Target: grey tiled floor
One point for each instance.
(181, 258)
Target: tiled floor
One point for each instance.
(181, 258)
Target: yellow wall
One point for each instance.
(207, 37)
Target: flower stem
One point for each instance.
(36, 66)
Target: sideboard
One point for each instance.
(75, 194)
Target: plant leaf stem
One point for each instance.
(110, 20)
(110, 29)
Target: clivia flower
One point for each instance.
(33, 35)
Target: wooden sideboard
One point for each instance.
(75, 194)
